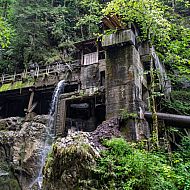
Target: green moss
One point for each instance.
(62, 163)
(3, 125)
(125, 115)
(11, 184)
(16, 85)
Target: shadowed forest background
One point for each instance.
(43, 32)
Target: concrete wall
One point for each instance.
(124, 82)
(120, 84)
(90, 74)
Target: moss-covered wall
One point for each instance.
(16, 85)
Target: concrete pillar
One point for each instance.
(124, 79)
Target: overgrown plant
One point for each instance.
(124, 166)
(162, 27)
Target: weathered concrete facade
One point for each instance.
(84, 109)
(107, 79)
(124, 80)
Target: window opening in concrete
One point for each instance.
(85, 115)
(100, 113)
(102, 55)
(102, 78)
(79, 115)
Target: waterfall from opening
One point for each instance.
(50, 133)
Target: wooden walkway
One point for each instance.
(38, 72)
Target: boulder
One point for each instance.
(21, 146)
(70, 166)
(69, 163)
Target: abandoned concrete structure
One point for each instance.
(109, 77)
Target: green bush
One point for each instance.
(122, 166)
(179, 103)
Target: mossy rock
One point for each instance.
(8, 183)
(68, 168)
(3, 125)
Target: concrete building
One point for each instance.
(109, 78)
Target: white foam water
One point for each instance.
(50, 133)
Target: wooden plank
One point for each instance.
(107, 23)
(62, 117)
(30, 100)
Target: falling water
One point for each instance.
(50, 132)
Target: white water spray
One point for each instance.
(50, 133)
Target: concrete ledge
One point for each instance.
(124, 36)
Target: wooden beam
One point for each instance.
(30, 100)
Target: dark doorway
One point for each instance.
(100, 114)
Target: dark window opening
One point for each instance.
(102, 78)
(80, 116)
(100, 113)
(102, 55)
(85, 115)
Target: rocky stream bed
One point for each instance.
(68, 164)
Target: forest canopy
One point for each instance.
(5, 33)
(44, 31)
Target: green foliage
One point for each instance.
(46, 30)
(179, 103)
(126, 115)
(163, 27)
(179, 6)
(124, 167)
(149, 14)
(181, 164)
(5, 33)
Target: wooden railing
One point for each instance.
(39, 71)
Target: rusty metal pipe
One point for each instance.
(182, 121)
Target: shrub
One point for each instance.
(124, 167)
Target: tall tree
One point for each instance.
(46, 29)
(5, 33)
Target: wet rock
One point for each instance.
(11, 124)
(3, 125)
(41, 119)
(21, 144)
(71, 162)
(8, 182)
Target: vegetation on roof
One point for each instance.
(16, 85)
